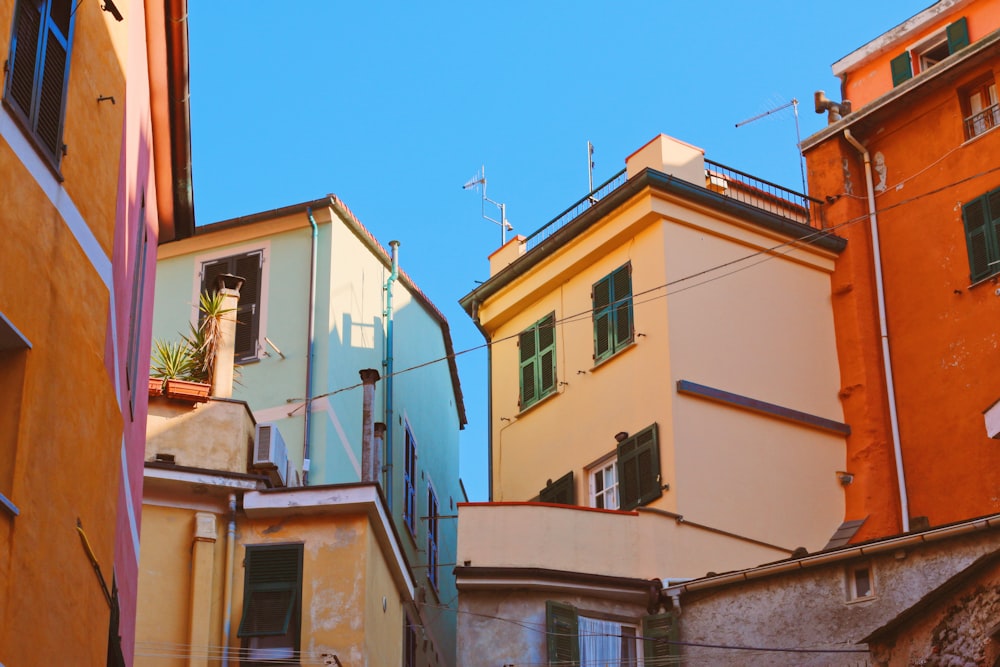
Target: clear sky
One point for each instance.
(393, 106)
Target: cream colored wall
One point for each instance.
(216, 435)
(761, 328)
(383, 624)
(641, 544)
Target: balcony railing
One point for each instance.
(719, 178)
(980, 122)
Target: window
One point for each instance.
(38, 71)
(135, 328)
(930, 52)
(612, 297)
(410, 481)
(272, 587)
(560, 491)
(576, 639)
(13, 367)
(860, 584)
(249, 267)
(981, 218)
(432, 536)
(639, 469)
(537, 346)
(979, 107)
(409, 643)
(604, 485)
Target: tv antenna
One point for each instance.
(480, 180)
(798, 139)
(590, 164)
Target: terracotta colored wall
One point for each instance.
(942, 331)
(56, 287)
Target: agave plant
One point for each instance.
(193, 357)
(172, 360)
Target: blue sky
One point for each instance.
(394, 106)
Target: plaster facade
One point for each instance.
(351, 324)
(925, 169)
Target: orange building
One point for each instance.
(911, 180)
(85, 199)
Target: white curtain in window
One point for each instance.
(600, 643)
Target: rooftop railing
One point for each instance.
(719, 178)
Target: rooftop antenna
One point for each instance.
(590, 165)
(480, 180)
(798, 139)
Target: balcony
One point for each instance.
(719, 178)
(981, 122)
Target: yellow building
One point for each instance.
(663, 403)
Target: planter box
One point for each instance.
(187, 391)
(155, 387)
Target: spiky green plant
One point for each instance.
(172, 360)
(193, 357)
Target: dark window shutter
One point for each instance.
(537, 348)
(639, 469)
(547, 355)
(974, 215)
(50, 102)
(562, 634)
(248, 267)
(958, 35)
(657, 633)
(902, 68)
(561, 491)
(24, 58)
(623, 306)
(526, 342)
(272, 584)
(603, 324)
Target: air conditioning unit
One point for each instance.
(270, 453)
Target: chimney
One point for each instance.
(228, 286)
(377, 453)
(369, 377)
(670, 156)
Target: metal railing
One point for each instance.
(719, 178)
(764, 195)
(564, 218)
(978, 123)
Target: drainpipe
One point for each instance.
(310, 357)
(228, 594)
(387, 366)
(369, 377)
(884, 332)
(489, 396)
(377, 452)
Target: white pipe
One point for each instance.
(897, 449)
(228, 594)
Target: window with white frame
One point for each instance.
(410, 481)
(578, 637)
(860, 582)
(249, 266)
(603, 479)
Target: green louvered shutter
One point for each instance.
(24, 57)
(602, 319)
(639, 469)
(529, 360)
(974, 215)
(546, 331)
(272, 584)
(562, 634)
(958, 35)
(622, 286)
(902, 68)
(561, 491)
(657, 634)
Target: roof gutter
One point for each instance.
(904, 506)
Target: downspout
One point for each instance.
(489, 397)
(884, 332)
(387, 365)
(228, 594)
(310, 357)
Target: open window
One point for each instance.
(272, 604)
(14, 349)
(584, 638)
(248, 266)
(980, 111)
(930, 51)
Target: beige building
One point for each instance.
(663, 403)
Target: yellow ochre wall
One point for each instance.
(764, 332)
(60, 450)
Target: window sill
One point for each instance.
(969, 140)
(51, 163)
(618, 353)
(7, 507)
(867, 598)
(992, 278)
(544, 399)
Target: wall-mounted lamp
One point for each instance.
(845, 478)
(109, 6)
(620, 436)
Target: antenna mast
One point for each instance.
(480, 180)
(798, 139)
(590, 165)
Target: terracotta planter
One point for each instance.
(155, 387)
(187, 391)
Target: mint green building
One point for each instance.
(322, 301)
